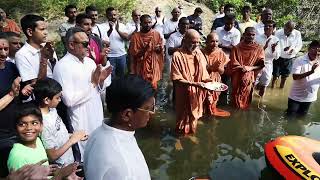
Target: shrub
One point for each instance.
(52, 9)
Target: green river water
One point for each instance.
(228, 148)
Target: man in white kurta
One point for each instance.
(174, 41)
(170, 26)
(80, 91)
(117, 156)
(271, 46)
(290, 43)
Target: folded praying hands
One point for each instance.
(99, 75)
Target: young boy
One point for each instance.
(55, 137)
(29, 150)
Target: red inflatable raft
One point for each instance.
(294, 157)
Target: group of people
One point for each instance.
(53, 108)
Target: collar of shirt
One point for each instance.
(121, 133)
(292, 34)
(229, 32)
(179, 34)
(132, 23)
(31, 49)
(74, 58)
(307, 59)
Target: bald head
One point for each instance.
(213, 35)
(136, 15)
(290, 24)
(212, 41)
(175, 13)
(191, 40)
(249, 35)
(191, 33)
(289, 27)
(249, 29)
(266, 15)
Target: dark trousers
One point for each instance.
(296, 108)
(6, 143)
(225, 96)
(282, 67)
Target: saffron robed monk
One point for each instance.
(189, 74)
(216, 60)
(146, 50)
(246, 61)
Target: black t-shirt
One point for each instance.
(196, 22)
(219, 22)
(7, 76)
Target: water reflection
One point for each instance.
(228, 148)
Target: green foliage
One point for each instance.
(216, 3)
(52, 9)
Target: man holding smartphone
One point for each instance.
(306, 81)
(270, 44)
(36, 58)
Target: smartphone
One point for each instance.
(80, 170)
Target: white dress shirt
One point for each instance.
(131, 27)
(28, 63)
(293, 41)
(159, 26)
(306, 89)
(169, 26)
(227, 38)
(114, 154)
(97, 29)
(117, 44)
(78, 93)
(259, 28)
(174, 41)
(264, 77)
(11, 60)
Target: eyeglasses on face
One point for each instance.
(84, 43)
(153, 111)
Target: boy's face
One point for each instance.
(53, 103)
(29, 128)
(40, 32)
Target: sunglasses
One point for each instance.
(84, 43)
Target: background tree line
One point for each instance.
(306, 13)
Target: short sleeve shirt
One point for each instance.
(169, 26)
(306, 89)
(117, 44)
(54, 135)
(228, 38)
(21, 155)
(28, 63)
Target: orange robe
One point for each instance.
(11, 26)
(242, 82)
(150, 65)
(189, 99)
(216, 59)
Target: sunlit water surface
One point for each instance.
(231, 148)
